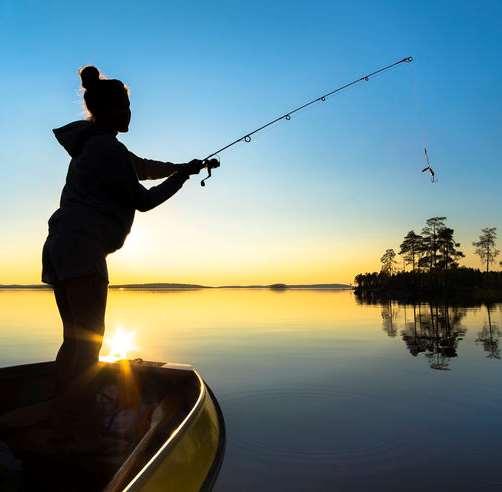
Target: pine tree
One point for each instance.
(430, 242)
(448, 254)
(388, 261)
(486, 246)
(410, 248)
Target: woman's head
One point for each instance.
(106, 100)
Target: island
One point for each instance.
(431, 271)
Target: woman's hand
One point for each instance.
(196, 165)
(192, 167)
(212, 163)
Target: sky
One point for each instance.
(315, 199)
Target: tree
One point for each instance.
(410, 248)
(447, 250)
(486, 247)
(438, 247)
(388, 261)
(430, 243)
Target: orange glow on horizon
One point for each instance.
(149, 255)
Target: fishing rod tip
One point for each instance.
(408, 59)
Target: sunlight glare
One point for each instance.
(120, 343)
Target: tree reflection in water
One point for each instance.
(435, 331)
(389, 315)
(489, 336)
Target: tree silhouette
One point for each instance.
(411, 248)
(486, 247)
(447, 250)
(430, 242)
(388, 261)
(436, 272)
(438, 247)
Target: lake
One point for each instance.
(318, 391)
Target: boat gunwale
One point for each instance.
(175, 436)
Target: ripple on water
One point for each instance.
(315, 424)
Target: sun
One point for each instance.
(120, 344)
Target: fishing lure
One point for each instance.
(429, 168)
(287, 116)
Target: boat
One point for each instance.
(161, 430)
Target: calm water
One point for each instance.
(318, 392)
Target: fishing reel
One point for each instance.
(212, 163)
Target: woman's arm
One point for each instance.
(121, 180)
(144, 199)
(150, 169)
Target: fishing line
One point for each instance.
(287, 116)
(421, 123)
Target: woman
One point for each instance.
(96, 212)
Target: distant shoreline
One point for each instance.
(174, 286)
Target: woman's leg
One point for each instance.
(67, 354)
(81, 303)
(84, 304)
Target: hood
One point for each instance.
(73, 136)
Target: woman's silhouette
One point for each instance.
(96, 212)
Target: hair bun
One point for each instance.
(89, 76)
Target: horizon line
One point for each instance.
(179, 285)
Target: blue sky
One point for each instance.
(312, 199)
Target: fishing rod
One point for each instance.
(287, 116)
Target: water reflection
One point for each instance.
(489, 336)
(389, 316)
(436, 332)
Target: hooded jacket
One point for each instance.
(99, 200)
